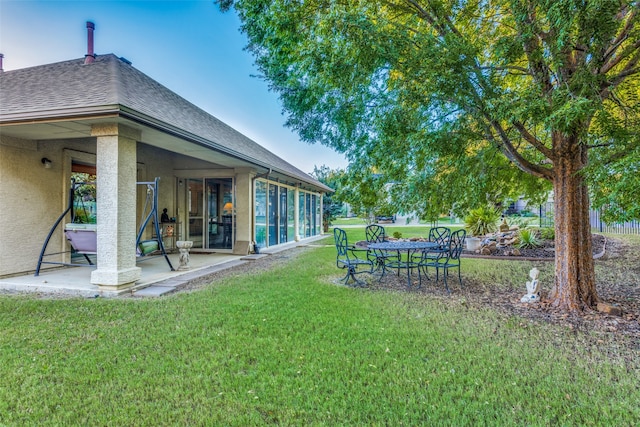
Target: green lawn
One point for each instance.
(287, 346)
(347, 221)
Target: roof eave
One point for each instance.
(120, 111)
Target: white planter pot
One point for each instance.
(473, 243)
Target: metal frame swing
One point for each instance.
(141, 249)
(81, 247)
(84, 239)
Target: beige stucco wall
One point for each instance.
(30, 202)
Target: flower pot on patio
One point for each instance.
(473, 243)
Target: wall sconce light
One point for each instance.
(46, 163)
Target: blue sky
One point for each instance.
(188, 46)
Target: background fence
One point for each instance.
(631, 227)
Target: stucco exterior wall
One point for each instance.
(31, 200)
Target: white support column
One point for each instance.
(116, 216)
(321, 212)
(296, 218)
(243, 210)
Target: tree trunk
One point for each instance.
(575, 284)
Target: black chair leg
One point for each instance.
(445, 273)
(346, 277)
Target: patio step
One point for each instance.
(170, 285)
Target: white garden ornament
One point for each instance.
(533, 288)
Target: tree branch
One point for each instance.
(615, 44)
(599, 145)
(630, 69)
(533, 141)
(507, 68)
(617, 59)
(538, 68)
(515, 157)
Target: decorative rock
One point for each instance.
(516, 252)
(603, 307)
(485, 251)
(504, 226)
(514, 228)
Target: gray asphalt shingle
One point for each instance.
(47, 90)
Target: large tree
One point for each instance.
(467, 96)
(331, 203)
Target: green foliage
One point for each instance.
(519, 221)
(397, 234)
(332, 206)
(482, 220)
(528, 239)
(547, 233)
(431, 97)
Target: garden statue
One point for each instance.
(533, 288)
(184, 246)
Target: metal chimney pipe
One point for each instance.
(90, 56)
(1, 57)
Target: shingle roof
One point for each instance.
(53, 89)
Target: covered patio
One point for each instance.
(156, 278)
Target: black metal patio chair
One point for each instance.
(439, 235)
(376, 234)
(450, 258)
(354, 260)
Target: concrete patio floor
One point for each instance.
(156, 277)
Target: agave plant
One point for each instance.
(528, 239)
(481, 221)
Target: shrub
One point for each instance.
(397, 234)
(519, 221)
(528, 239)
(482, 221)
(548, 233)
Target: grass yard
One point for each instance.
(348, 221)
(288, 346)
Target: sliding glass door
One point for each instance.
(211, 213)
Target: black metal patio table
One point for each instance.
(410, 247)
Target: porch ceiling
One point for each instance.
(74, 128)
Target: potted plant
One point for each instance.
(479, 222)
